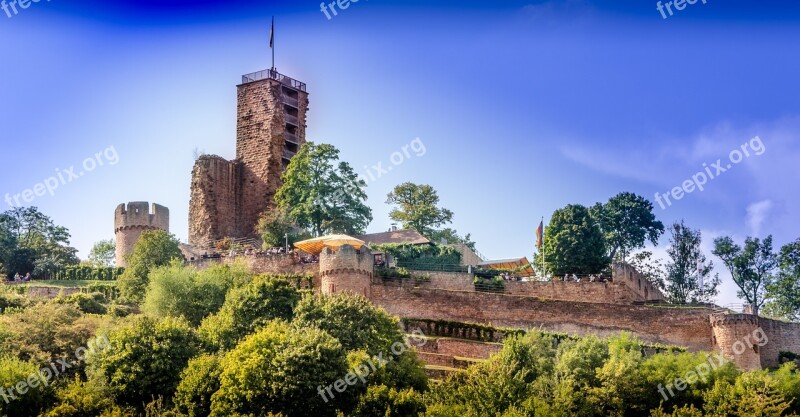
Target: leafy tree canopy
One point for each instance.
(322, 194)
(417, 207)
(688, 277)
(627, 222)
(103, 253)
(153, 249)
(573, 243)
(29, 238)
(751, 266)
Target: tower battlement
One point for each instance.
(346, 270)
(133, 219)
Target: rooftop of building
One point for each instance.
(411, 237)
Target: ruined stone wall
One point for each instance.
(781, 337)
(346, 270)
(688, 327)
(215, 200)
(643, 289)
(133, 219)
(275, 264)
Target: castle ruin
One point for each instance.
(227, 197)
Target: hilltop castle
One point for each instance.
(227, 198)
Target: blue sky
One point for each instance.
(523, 106)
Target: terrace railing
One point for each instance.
(273, 75)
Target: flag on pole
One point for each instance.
(540, 235)
(272, 34)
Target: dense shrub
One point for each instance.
(423, 257)
(79, 398)
(279, 369)
(88, 273)
(31, 399)
(352, 319)
(248, 308)
(153, 249)
(144, 359)
(177, 291)
(383, 401)
(87, 303)
(199, 381)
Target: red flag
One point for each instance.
(540, 235)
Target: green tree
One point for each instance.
(627, 222)
(103, 253)
(574, 243)
(784, 293)
(383, 401)
(417, 207)
(153, 249)
(27, 236)
(281, 369)
(688, 277)
(144, 359)
(451, 236)
(179, 291)
(322, 194)
(276, 227)
(249, 308)
(752, 267)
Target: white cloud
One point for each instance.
(757, 214)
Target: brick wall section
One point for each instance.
(643, 289)
(276, 264)
(133, 219)
(684, 327)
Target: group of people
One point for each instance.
(20, 278)
(592, 278)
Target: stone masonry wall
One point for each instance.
(643, 289)
(684, 327)
(215, 200)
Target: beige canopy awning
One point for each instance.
(316, 245)
(519, 264)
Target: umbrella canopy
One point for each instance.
(316, 245)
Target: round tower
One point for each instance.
(346, 270)
(131, 220)
(736, 336)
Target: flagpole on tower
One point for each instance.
(272, 42)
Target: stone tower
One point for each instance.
(733, 335)
(346, 270)
(227, 197)
(132, 220)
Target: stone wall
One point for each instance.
(781, 337)
(688, 327)
(133, 219)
